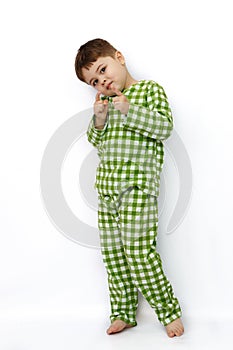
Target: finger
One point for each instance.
(101, 102)
(115, 99)
(97, 97)
(117, 92)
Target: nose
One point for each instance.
(103, 81)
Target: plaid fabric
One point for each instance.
(127, 180)
(128, 231)
(130, 147)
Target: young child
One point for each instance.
(131, 119)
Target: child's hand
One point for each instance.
(100, 110)
(120, 102)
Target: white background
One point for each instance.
(53, 292)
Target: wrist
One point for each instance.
(99, 122)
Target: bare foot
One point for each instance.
(175, 328)
(117, 326)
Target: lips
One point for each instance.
(109, 85)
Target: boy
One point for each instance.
(131, 119)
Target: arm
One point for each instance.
(154, 121)
(99, 121)
(94, 133)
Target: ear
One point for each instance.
(119, 57)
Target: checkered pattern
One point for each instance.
(128, 229)
(130, 147)
(127, 180)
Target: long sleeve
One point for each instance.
(130, 147)
(94, 135)
(155, 120)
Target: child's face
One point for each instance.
(106, 73)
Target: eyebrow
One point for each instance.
(95, 72)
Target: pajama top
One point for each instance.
(130, 147)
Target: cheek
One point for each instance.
(86, 74)
(100, 89)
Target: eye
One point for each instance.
(102, 70)
(95, 82)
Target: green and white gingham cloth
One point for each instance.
(131, 154)
(128, 234)
(130, 147)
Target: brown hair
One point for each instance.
(90, 52)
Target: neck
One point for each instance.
(130, 81)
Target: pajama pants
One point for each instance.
(128, 230)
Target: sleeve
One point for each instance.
(155, 120)
(94, 135)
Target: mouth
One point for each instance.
(109, 86)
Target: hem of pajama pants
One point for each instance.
(122, 318)
(171, 318)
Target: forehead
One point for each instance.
(93, 69)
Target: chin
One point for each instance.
(110, 93)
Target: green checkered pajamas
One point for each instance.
(127, 180)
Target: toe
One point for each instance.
(179, 331)
(116, 326)
(171, 334)
(175, 328)
(112, 329)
